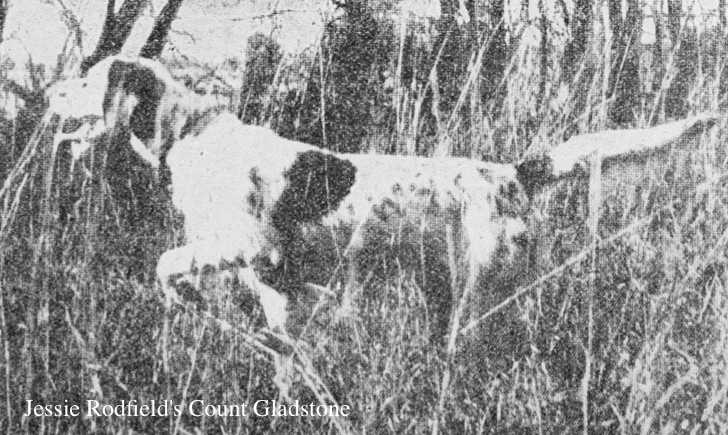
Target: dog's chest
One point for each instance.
(220, 191)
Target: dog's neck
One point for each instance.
(196, 116)
(184, 113)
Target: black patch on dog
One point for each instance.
(316, 183)
(140, 81)
(534, 173)
(256, 197)
(197, 120)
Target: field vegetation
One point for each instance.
(615, 326)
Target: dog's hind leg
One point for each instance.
(351, 286)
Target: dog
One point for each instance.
(254, 200)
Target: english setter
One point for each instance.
(248, 195)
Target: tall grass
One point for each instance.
(610, 326)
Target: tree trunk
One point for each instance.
(617, 49)
(116, 30)
(495, 57)
(722, 53)
(615, 22)
(631, 68)
(544, 54)
(685, 61)
(581, 24)
(658, 64)
(525, 13)
(3, 15)
(158, 37)
(625, 88)
(450, 66)
(674, 14)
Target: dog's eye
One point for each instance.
(84, 85)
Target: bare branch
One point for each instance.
(674, 14)
(3, 15)
(72, 22)
(127, 16)
(116, 30)
(268, 15)
(158, 37)
(184, 33)
(110, 10)
(31, 98)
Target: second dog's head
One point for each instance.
(124, 97)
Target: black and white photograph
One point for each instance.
(363, 216)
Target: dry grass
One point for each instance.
(626, 334)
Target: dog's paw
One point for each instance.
(275, 309)
(207, 255)
(174, 264)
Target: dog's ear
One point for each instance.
(133, 98)
(315, 184)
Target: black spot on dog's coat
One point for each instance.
(316, 183)
(197, 120)
(140, 81)
(256, 197)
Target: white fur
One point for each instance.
(81, 97)
(615, 144)
(210, 180)
(211, 183)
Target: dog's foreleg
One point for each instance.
(183, 262)
(173, 265)
(274, 304)
(194, 257)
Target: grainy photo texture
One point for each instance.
(363, 216)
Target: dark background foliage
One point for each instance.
(629, 336)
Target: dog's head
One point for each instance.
(137, 98)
